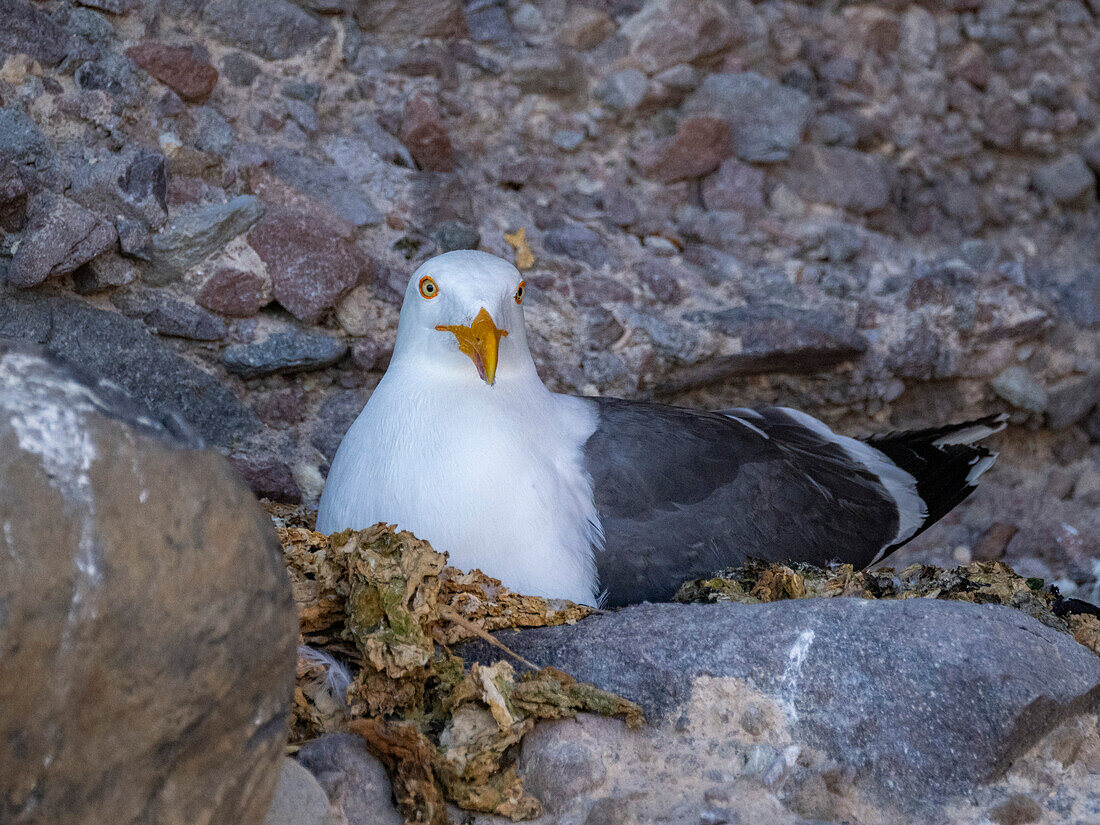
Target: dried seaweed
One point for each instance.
(990, 582)
(385, 603)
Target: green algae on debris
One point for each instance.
(990, 582)
(386, 605)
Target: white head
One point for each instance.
(462, 318)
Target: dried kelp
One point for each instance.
(991, 582)
(386, 604)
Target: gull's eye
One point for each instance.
(520, 291)
(428, 288)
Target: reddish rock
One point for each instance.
(182, 68)
(699, 145)
(235, 292)
(268, 477)
(734, 186)
(424, 135)
(61, 236)
(972, 66)
(310, 263)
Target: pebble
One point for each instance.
(1016, 386)
(284, 353)
(309, 261)
(1066, 180)
(699, 145)
(182, 68)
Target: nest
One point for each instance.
(379, 610)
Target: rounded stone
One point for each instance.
(147, 630)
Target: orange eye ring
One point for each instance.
(428, 287)
(521, 290)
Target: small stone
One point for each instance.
(578, 242)
(334, 418)
(423, 132)
(667, 32)
(1018, 810)
(1090, 150)
(134, 239)
(234, 292)
(167, 316)
(455, 234)
(917, 47)
(1071, 400)
(734, 186)
(104, 272)
(1016, 386)
(548, 72)
(585, 28)
(268, 477)
(767, 119)
(239, 69)
(303, 114)
(699, 145)
(842, 242)
(356, 782)
(660, 281)
(274, 29)
(972, 65)
(14, 195)
(284, 353)
(1087, 488)
(60, 237)
(183, 69)
(29, 30)
(1066, 180)
(130, 184)
(309, 262)
(623, 90)
(527, 18)
(991, 545)
(568, 140)
(839, 176)
(192, 237)
(1080, 299)
(298, 800)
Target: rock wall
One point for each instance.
(885, 214)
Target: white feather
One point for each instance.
(973, 434)
(337, 677)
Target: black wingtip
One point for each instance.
(945, 461)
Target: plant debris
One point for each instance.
(378, 610)
(988, 582)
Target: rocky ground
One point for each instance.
(883, 214)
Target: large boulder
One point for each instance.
(868, 704)
(147, 630)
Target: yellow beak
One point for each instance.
(480, 341)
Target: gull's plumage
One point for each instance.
(590, 498)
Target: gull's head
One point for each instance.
(463, 316)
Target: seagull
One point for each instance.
(606, 501)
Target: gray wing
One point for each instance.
(682, 493)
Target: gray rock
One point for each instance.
(190, 238)
(212, 132)
(60, 237)
(665, 33)
(956, 691)
(20, 140)
(767, 119)
(548, 72)
(355, 781)
(1066, 180)
(273, 29)
(1080, 299)
(284, 353)
(1016, 386)
(452, 235)
(1070, 400)
(917, 47)
(773, 329)
(167, 316)
(121, 350)
(623, 90)
(130, 551)
(334, 418)
(838, 176)
(327, 184)
(105, 272)
(578, 242)
(239, 69)
(298, 800)
(29, 30)
(842, 242)
(114, 74)
(133, 184)
(1090, 150)
(734, 185)
(489, 23)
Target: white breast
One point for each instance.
(493, 476)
